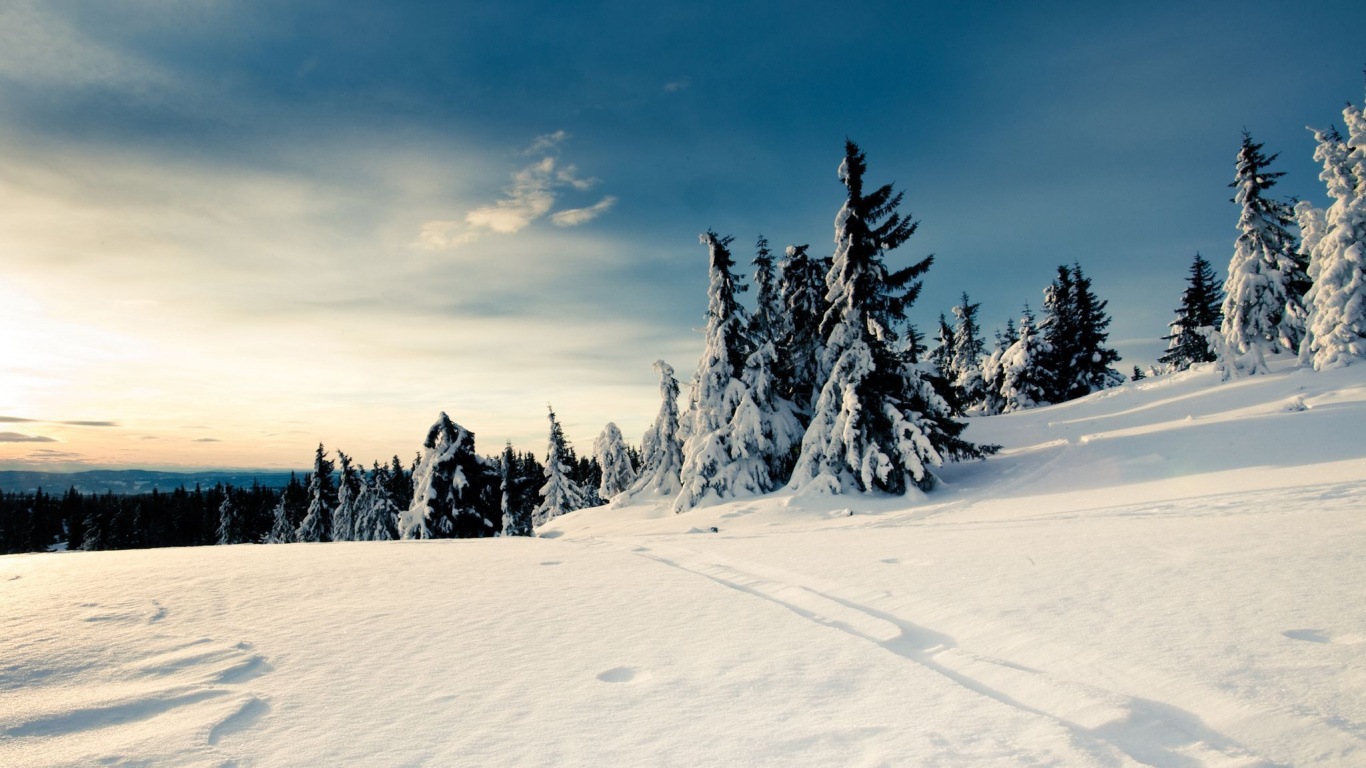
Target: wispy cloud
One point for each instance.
(529, 198)
(207, 440)
(19, 437)
(78, 423)
(532, 194)
(677, 85)
(576, 216)
(545, 142)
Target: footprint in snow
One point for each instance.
(623, 675)
(1322, 637)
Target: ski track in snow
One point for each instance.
(1148, 731)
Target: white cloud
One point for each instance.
(677, 85)
(545, 142)
(531, 196)
(576, 216)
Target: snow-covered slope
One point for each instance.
(1169, 573)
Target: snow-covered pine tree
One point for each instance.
(941, 357)
(768, 323)
(229, 520)
(348, 489)
(1263, 309)
(1024, 378)
(765, 427)
(560, 494)
(1201, 304)
(617, 472)
(1138, 374)
(801, 283)
(281, 530)
(709, 466)
(660, 449)
(376, 511)
(1337, 326)
(993, 372)
(517, 512)
(455, 490)
(878, 424)
(322, 499)
(968, 348)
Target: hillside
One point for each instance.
(1168, 573)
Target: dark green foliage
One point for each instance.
(1201, 307)
(1075, 326)
(801, 287)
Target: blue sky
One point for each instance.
(235, 229)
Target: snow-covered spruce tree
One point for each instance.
(1024, 379)
(993, 372)
(1201, 304)
(768, 323)
(941, 357)
(229, 520)
(322, 499)
(765, 427)
(281, 531)
(1337, 300)
(801, 285)
(560, 494)
(660, 449)
(455, 490)
(717, 391)
(1263, 294)
(617, 472)
(878, 424)
(517, 512)
(348, 488)
(376, 511)
(968, 348)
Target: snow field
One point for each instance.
(1168, 573)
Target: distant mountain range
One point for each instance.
(134, 480)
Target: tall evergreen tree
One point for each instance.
(968, 348)
(348, 489)
(1337, 300)
(1263, 309)
(993, 372)
(617, 472)
(801, 285)
(942, 356)
(1025, 380)
(377, 512)
(561, 494)
(1074, 326)
(322, 499)
(229, 520)
(1201, 307)
(517, 513)
(455, 490)
(661, 450)
(768, 323)
(713, 464)
(878, 424)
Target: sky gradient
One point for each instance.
(229, 231)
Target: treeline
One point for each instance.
(823, 385)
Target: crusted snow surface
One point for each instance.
(1167, 573)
